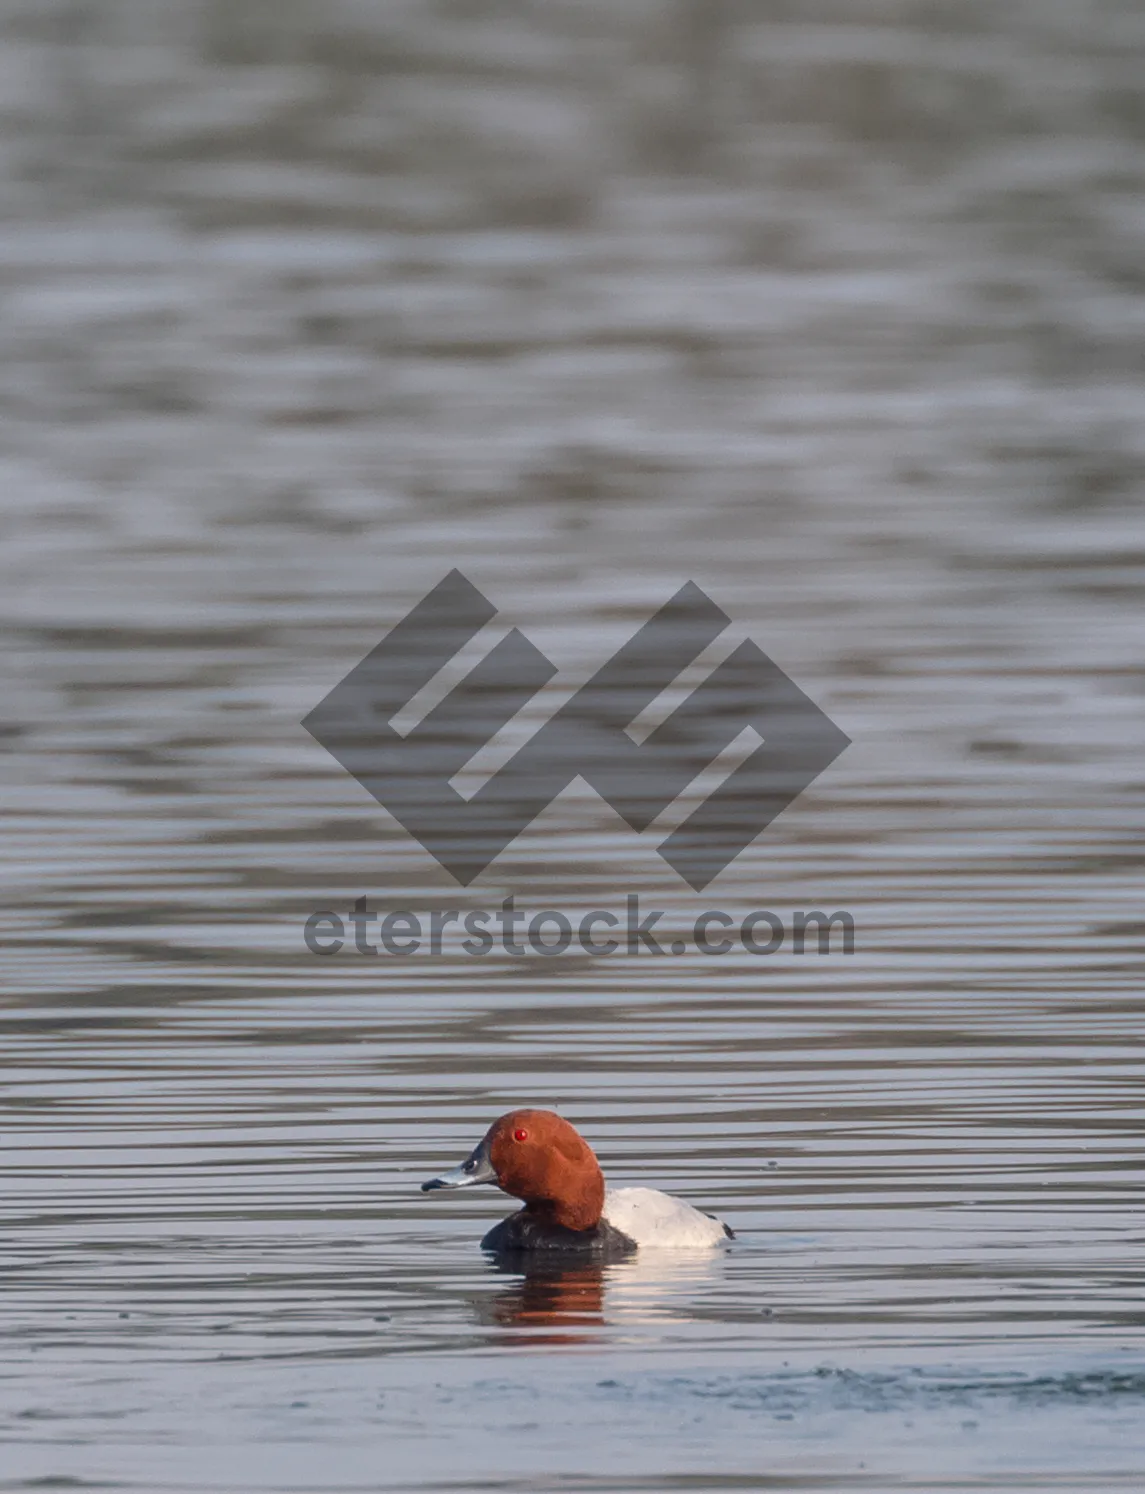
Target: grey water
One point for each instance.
(833, 307)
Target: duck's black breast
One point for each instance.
(523, 1233)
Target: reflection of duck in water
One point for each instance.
(547, 1296)
(561, 1301)
(537, 1156)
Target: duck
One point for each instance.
(540, 1158)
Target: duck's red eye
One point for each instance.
(520, 1134)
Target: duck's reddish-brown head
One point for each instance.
(535, 1155)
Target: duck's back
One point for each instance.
(649, 1218)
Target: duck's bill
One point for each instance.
(476, 1168)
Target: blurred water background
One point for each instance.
(831, 306)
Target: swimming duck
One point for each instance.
(537, 1156)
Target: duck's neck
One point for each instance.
(578, 1205)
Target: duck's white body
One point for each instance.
(650, 1219)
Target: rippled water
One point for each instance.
(835, 311)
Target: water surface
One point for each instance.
(835, 312)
